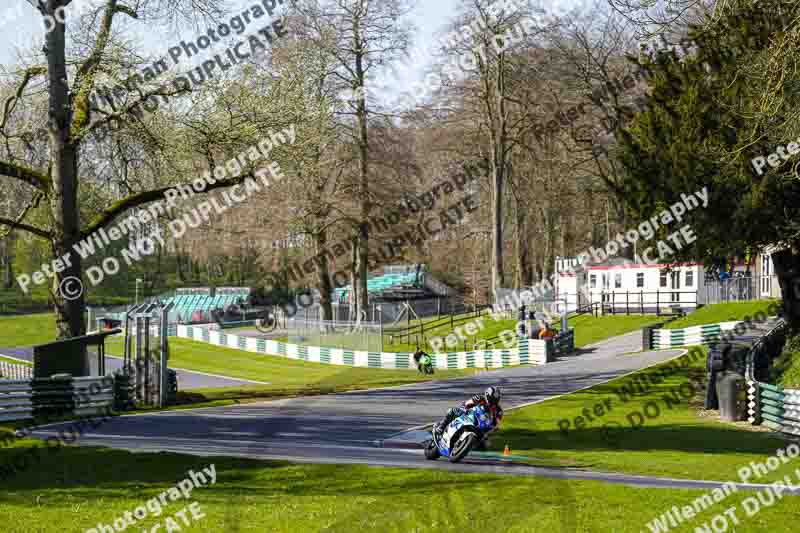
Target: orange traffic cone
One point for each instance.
(506, 452)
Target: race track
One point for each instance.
(350, 428)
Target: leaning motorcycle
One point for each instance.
(467, 432)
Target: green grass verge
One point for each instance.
(27, 330)
(590, 329)
(725, 312)
(75, 489)
(786, 367)
(674, 441)
(286, 377)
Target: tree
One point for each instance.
(72, 118)
(362, 36)
(709, 114)
(486, 53)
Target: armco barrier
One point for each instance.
(21, 400)
(771, 405)
(692, 336)
(774, 406)
(530, 351)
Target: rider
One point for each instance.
(418, 355)
(489, 399)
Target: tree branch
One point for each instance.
(28, 175)
(86, 72)
(11, 101)
(141, 198)
(108, 117)
(25, 227)
(34, 203)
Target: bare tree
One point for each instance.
(362, 36)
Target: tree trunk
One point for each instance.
(524, 275)
(9, 246)
(498, 277)
(787, 269)
(355, 311)
(68, 300)
(324, 285)
(363, 168)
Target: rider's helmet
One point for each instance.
(493, 395)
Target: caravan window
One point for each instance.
(689, 278)
(593, 281)
(640, 280)
(618, 280)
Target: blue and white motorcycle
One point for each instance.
(467, 432)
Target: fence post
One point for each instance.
(641, 300)
(658, 304)
(380, 322)
(627, 303)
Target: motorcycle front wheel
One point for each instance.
(462, 447)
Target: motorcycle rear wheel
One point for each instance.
(431, 451)
(463, 446)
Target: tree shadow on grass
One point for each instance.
(616, 437)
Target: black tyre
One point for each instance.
(431, 451)
(463, 446)
(266, 323)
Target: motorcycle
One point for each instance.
(426, 364)
(467, 432)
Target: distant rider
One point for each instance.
(422, 360)
(489, 399)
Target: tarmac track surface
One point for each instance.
(349, 428)
(187, 379)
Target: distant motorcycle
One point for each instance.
(426, 364)
(467, 432)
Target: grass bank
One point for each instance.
(286, 377)
(27, 330)
(725, 312)
(590, 329)
(75, 489)
(650, 422)
(786, 368)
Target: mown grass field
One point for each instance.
(678, 440)
(725, 312)
(590, 329)
(74, 489)
(27, 330)
(286, 377)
